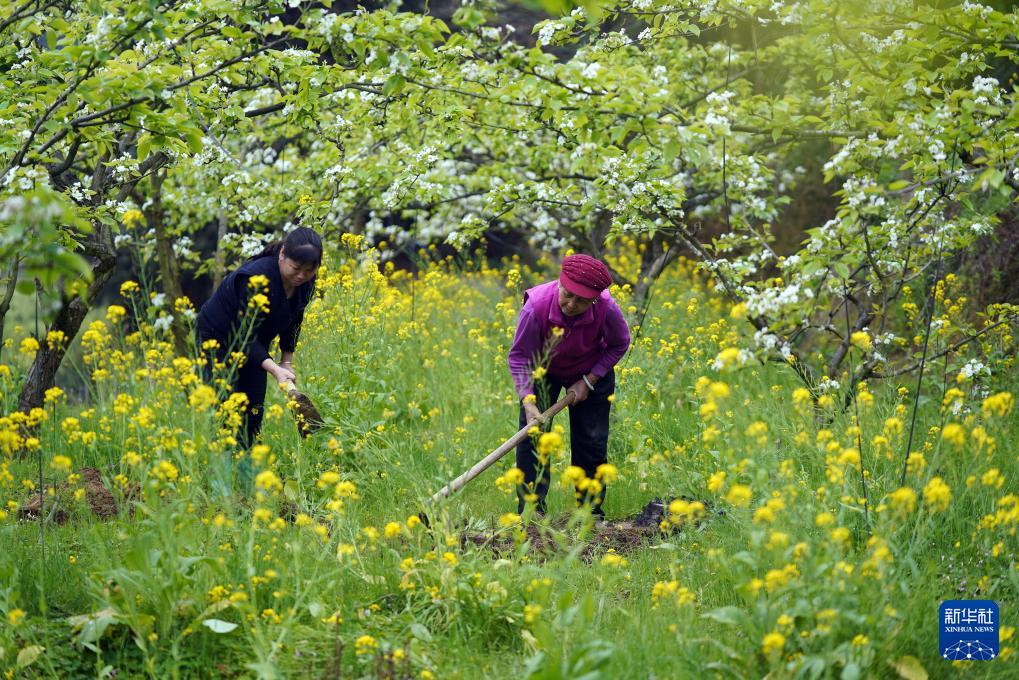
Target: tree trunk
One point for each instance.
(169, 271)
(11, 282)
(102, 258)
(658, 255)
(99, 252)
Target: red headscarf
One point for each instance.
(585, 276)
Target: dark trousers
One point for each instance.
(249, 379)
(589, 438)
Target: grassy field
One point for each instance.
(776, 563)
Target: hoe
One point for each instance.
(503, 449)
(309, 420)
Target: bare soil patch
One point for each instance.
(58, 507)
(558, 535)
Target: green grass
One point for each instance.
(415, 390)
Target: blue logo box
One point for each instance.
(969, 630)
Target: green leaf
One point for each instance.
(730, 616)
(394, 84)
(909, 667)
(28, 655)
(144, 144)
(420, 632)
(218, 626)
(194, 140)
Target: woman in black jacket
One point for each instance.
(289, 268)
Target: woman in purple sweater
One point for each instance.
(571, 333)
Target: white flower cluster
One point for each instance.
(591, 70)
(862, 193)
(771, 300)
(764, 339)
(163, 323)
(548, 31)
(974, 368)
(826, 384)
(182, 246)
(25, 178)
(987, 90)
(742, 358)
(252, 244)
(16, 208)
(718, 108)
(983, 11)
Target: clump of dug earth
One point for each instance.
(651, 524)
(58, 507)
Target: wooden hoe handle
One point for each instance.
(503, 449)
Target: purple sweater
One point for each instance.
(593, 342)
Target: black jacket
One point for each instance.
(220, 317)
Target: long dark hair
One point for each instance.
(302, 245)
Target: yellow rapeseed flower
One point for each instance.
(999, 404)
(365, 644)
(612, 559)
(954, 434)
(258, 282)
(268, 481)
(202, 398)
(773, 643)
(165, 471)
(992, 477)
(902, 501)
(607, 473)
(132, 217)
(730, 357)
(115, 313)
(937, 495)
(861, 340)
(61, 463)
(671, 590)
(29, 346)
(509, 519)
(56, 339)
(739, 495)
(260, 302)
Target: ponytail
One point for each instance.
(271, 250)
(303, 245)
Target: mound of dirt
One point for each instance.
(309, 420)
(100, 501)
(621, 535)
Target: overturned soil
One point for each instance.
(309, 420)
(100, 501)
(558, 536)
